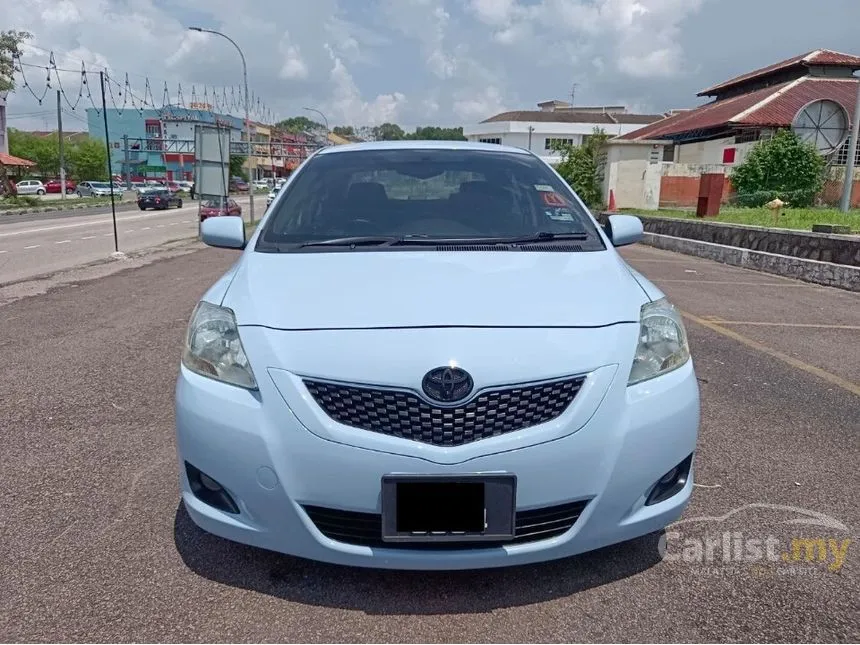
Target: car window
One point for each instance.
(430, 193)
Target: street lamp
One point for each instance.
(247, 105)
(324, 119)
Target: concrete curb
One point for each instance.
(841, 276)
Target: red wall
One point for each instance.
(832, 193)
(684, 191)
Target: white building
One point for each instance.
(555, 121)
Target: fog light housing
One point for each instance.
(671, 483)
(209, 491)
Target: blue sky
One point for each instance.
(442, 62)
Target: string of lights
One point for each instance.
(121, 95)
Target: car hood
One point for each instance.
(359, 289)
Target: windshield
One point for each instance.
(99, 184)
(430, 193)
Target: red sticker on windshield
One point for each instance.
(553, 199)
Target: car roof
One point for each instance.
(422, 145)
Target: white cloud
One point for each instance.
(347, 104)
(477, 105)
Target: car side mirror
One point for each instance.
(224, 231)
(624, 229)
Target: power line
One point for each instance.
(122, 95)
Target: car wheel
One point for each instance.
(143, 208)
(69, 191)
(79, 194)
(41, 191)
(179, 204)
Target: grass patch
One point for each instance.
(21, 201)
(799, 219)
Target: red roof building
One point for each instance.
(753, 105)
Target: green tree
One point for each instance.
(10, 45)
(783, 167)
(344, 130)
(435, 133)
(87, 160)
(45, 151)
(388, 132)
(299, 124)
(237, 167)
(580, 166)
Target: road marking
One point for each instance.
(173, 223)
(104, 220)
(146, 228)
(160, 226)
(32, 246)
(784, 324)
(833, 379)
(3, 251)
(131, 230)
(89, 237)
(63, 242)
(108, 235)
(185, 221)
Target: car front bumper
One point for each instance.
(273, 467)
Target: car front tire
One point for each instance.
(79, 194)
(179, 204)
(41, 191)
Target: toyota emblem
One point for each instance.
(447, 384)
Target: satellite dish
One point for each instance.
(823, 123)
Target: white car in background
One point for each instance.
(30, 187)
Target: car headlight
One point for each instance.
(213, 347)
(662, 344)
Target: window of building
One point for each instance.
(496, 140)
(669, 153)
(550, 144)
(841, 157)
(729, 155)
(748, 136)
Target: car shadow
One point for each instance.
(386, 592)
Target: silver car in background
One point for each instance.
(96, 189)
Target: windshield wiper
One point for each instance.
(546, 236)
(358, 240)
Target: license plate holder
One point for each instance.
(448, 508)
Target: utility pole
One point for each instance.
(848, 184)
(110, 169)
(531, 129)
(573, 94)
(62, 156)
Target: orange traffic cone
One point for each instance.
(612, 208)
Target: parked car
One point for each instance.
(218, 207)
(262, 184)
(158, 200)
(238, 186)
(55, 186)
(184, 185)
(30, 187)
(271, 196)
(96, 189)
(467, 375)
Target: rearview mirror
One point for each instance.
(624, 229)
(223, 231)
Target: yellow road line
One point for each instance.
(785, 324)
(833, 379)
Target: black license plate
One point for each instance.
(434, 508)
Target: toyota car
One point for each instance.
(430, 355)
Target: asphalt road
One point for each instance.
(37, 246)
(95, 546)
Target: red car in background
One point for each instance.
(216, 206)
(54, 186)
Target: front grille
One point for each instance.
(365, 529)
(405, 415)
